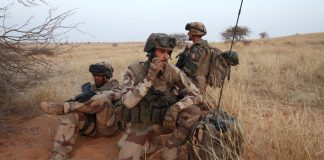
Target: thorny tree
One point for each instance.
(241, 33)
(264, 35)
(25, 49)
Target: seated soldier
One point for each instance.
(158, 99)
(91, 112)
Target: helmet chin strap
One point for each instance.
(151, 54)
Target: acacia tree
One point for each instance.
(241, 33)
(264, 35)
(24, 49)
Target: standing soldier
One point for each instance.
(195, 60)
(91, 113)
(158, 99)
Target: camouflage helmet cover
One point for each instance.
(102, 68)
(196, 28)
(161, 41)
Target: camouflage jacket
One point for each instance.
(195, 62)
(111, 88)
(139, 92)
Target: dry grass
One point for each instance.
(277, 90)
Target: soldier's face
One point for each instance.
(190, 35)
(162, 54)
(99, 79)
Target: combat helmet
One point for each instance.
(102, 68)
(160, 41)
(196, 28)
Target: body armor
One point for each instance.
(153, 106)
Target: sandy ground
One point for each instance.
(35, 137)
(33, 140)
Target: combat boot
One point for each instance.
(52, 108)
(58, 156)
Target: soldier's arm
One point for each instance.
(132, 94)
(197, 57)
(115, 91)
(181, 58)
(192, 95)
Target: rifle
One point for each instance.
(85, 95)
(90, 119)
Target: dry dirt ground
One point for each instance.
(33, 140)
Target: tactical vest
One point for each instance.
(153, 106)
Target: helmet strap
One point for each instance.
(151, 54)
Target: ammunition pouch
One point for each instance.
(122, 115)
(151, 109)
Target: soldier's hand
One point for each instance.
(170, 117)
(156, 66)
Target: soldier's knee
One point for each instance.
(190, 112)
(189, 116)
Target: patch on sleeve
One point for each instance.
(194, 56)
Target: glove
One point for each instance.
(156, 66)
(170, 117)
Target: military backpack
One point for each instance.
(220, 66)
(217, 135)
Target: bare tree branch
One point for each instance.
(31, 3)
(25, 50)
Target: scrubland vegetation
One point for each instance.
(277, 91)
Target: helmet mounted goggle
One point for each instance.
(189, 26)
(167, 42)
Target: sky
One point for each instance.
(134, 20)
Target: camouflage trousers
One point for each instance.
(103, 123)
(143, 139)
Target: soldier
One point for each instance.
(158, 99)
(195, 60)
(91, 113)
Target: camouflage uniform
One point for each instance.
(195, 60)
(148, 104)
(95, 117)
